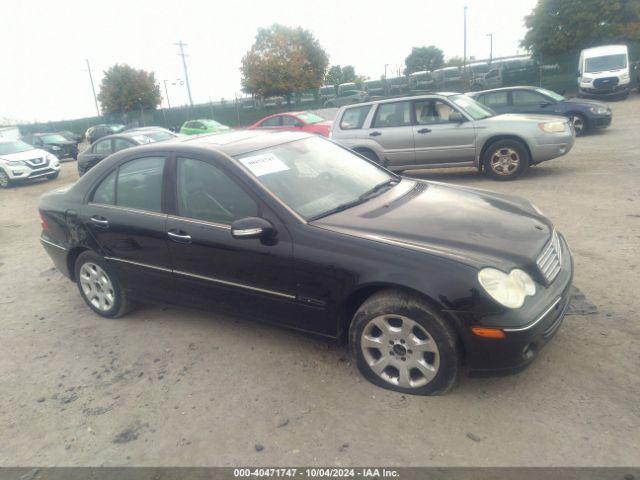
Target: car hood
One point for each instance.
(28, 155)
(586, 102)
(62, 144)
(520, 118)
(475, 227)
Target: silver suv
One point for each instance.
(450, 130)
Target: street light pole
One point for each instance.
(184, 65)
(464, 61)
(490, 35)
(166, 92)
(93, 88)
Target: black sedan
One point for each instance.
(98, 131)
(585, 114)
(53, 143)
(114, 143)
(420, 278)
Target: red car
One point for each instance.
(304, 121)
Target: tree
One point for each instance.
(338, 74)
(423, 58)
(559, 26)
(125, 89)
(454, 62)
(283, 61)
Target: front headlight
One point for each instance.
(598, 110)
(55, 147)
(14, 163)
(587, 80)
(625, 76)
(552, 127)
(508, 289)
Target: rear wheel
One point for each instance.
(505, 160)
(5, 181)
(100, 287)
(402, 344)
(579, 123)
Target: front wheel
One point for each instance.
(505, 160)
(402, 344)
(5, 181)
(579, 123)
(100, 287)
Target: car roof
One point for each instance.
(239, 142)
(400, 99)
(605, 50)
(503, 89)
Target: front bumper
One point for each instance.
(600, 121)
(526, 330)
(605, 92)
(21, 172)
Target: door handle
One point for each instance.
(179, 236)
(375, 134)
(424, 130)
(100, 221)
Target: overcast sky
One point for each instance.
(45, 42)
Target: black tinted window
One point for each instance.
(103, 147)
(140, 184)
(121, 144)
(106, 191)
(272, 122)
(397, 114)
(207, 193)
(526, 97)
(497, 99)
(354, 117)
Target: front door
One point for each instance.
(214, 269)
(124, 217)
(528, 101)
(439, 140)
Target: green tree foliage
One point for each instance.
(423, 58)
(126, 89)
(283, 61)
(338, 74)
(558, 26)
(454, 62)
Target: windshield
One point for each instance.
(7, 148)
(476, 110)
(159, 135)
(308, 117)
(556, 96)
(313, 176)
(54, 138)
(606, 62)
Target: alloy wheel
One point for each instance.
(504, 161)
(96, 286)
(578, 124)
(4, 179)
(400, 351)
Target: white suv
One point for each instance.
(19, 160)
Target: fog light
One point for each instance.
(529, 351)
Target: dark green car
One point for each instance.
(197, 127)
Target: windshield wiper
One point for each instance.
(361, 199)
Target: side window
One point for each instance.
(492, 74)
(106, 191)
(189, 125)
(140, 184)
(272, 122)
(497, 99)
(525, 97)
(121, 144)
(206, 193)
(289, 121)
(103, 147)
(432, 111)
(198, 125)
(396, 114)
(354, 117)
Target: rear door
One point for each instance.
(216, 270)
(439, 140)
(125, 218)
(391, 128)
(100, 150)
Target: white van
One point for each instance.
(604, 71)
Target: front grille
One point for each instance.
(550, 260)
(37, 162)
(607, 82)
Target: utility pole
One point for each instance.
(166, 92)
(490, 35)
(93, 88)
(184, 64)
(464, 61)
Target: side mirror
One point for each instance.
(456, 117)
(251, 228)
(544, 104)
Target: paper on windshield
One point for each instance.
(264, 164)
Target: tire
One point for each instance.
(53, 176)
(505, 160)
(580, 123)
(107, 299)
(404, 321)
(5, 181)
(370, 154)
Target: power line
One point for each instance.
(184, 64)
(93, 88)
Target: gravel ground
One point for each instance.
(171, 386)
